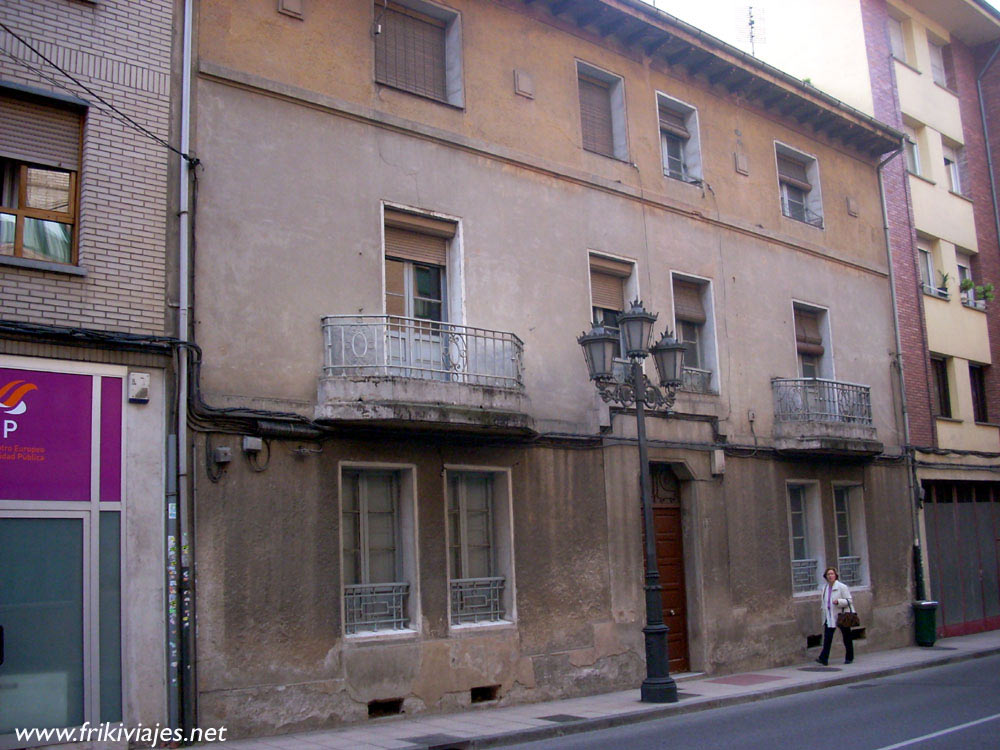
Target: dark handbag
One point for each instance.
(849, 619)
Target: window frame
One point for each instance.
(939, 73)
(977, 385)
(852, 494)
(615, 86)
(22, 212)
(911, 148)
(708, 355)
(941, 405)
(812, 199)
(503, 544)
(811, 537)
(822, 361)
(407, 550)
(430, 13)
(952, 156)
(690, 145)
(897, 42)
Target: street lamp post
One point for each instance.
(634, 388)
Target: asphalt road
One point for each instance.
(955, 707)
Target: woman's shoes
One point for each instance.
(848, 661)
(820, 661)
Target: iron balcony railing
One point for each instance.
(369, 607)
(818, 400)
(804, 575)
(386, 345)
(850, 570)
(476, 600)
(696, 380)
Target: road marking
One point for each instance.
(931, 736)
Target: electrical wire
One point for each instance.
(110, 107)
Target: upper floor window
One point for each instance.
(896, 38)
(416, 262)
(694, 325)
(942, 68)
(953, 167)
(798, 180)
(418, 49)
(39, 165)
(941, 390)
(810, 342)
(977, 380)
(912, 150)
(602, 111)
(679, 140)
(609, 282)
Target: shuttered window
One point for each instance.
(410, 51)
(39, 162)
(673, 122)
(687, 302)
(808, 338)
(416, 259)
(595, 116)
(793, 173)
(607, 283)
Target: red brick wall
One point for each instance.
(972, 62)
(902, 236)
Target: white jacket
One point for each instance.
(833, 600)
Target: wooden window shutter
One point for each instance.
(687, 302)
(417, 238)
(808, 338)
(607, 291)
(39, 134)
(673, 122)
(418, 223)
(410, 51)
(595, 116)
(793, 172)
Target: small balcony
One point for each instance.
(412, 372)
(813, 415)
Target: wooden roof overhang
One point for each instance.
(665, 39)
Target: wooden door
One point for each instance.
(670, 561)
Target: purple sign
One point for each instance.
(111, 439)
(45, 435)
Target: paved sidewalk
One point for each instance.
(488, 726)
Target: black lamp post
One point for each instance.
(668, 354)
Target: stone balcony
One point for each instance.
(410, 372)
(817, 416)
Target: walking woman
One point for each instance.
(836, 598)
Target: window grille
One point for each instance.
(595, 116)
(410, 52)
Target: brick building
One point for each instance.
(84, 363)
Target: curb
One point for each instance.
(634, 717)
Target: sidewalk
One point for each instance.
(493, 727)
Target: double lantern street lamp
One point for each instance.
(599, 348)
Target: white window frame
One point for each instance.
(911, 145)
(503, 539)
(812, 537)
(453, 74)
(897, 38)
(952, 166)
(616, 90)
(408, 551)
(691, 170)
(709, 339)
(856, 531)
(938, 72)
(813, 199)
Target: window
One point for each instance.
(798, 180)
(611, 281)
(809, 342)
(694, 328)
(376, 550)
(39, 165)
(602, 112)
(418, 49)
(805, 537)
(679, 140)
(977, 379)
(896, 39)
(942, 64)
(940, 392)
(926, 262)
(966, 285)
(478, 546)
(912, 150)
(852, 544)
(953, 167)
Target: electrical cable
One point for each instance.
(124, 117)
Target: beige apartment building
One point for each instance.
(407, 494)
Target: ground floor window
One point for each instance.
(805, 537)
(852, 562)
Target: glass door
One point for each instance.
(44, 573)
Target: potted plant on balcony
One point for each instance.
(943, 286)
(984, 293)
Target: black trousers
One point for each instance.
(828, 641)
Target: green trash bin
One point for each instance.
(925, 620)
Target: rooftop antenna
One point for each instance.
(751, 28)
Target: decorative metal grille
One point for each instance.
(375, 606)
(384, 345)
(804, 575)
(850, 570)
(696, 381)
(799, 212)
(818, 400)
(476, 600)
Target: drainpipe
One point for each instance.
(911, 480)
(180, 704)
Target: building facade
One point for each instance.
(83, 364)
(407, 495)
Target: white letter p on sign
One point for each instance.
(9, 425)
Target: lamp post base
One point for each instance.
(658, 690)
